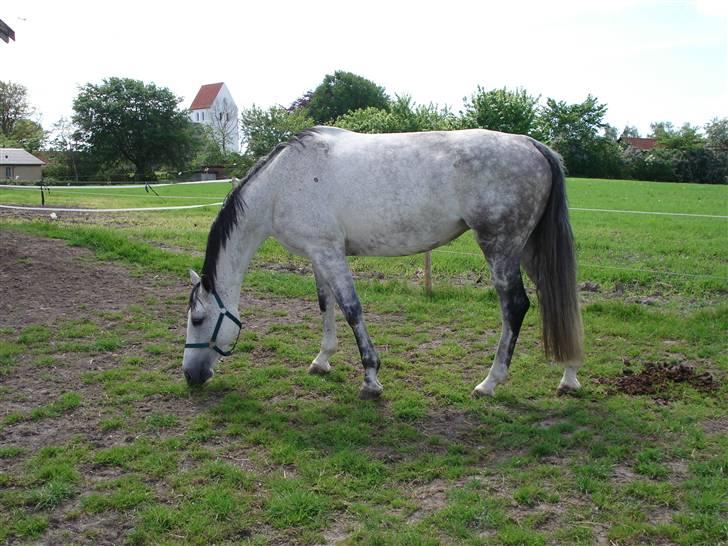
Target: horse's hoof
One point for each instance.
(481, 393)
(565, 390)
(370, 394)
(319, 369)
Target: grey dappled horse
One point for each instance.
(330, 193)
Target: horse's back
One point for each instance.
(402, 193)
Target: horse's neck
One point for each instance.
(252, 228)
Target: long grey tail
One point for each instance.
(553, 263)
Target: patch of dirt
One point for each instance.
(430, 498)
(655, 377)
(716, 426)
(45, 279)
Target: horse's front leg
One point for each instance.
(334, 272)
(320, 364)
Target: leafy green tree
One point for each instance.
(573, 130)
(17, 130)
(686, 138)
(661, 129)
(126, 120)
(263, 129)
(13, 106)
(64, 143)
(26, 134)
(630, 131)
(403, 116)
(343, 92)
(501, 110)
(716, 132)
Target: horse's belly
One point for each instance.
(398, 238)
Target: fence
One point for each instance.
(427, 266)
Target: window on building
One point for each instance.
(220, 116)
(203, 116)
(8, 172)
(197, 116)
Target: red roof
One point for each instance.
(206, 96)
(641, 143)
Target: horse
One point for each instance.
(329, 193)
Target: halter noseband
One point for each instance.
(211, 344)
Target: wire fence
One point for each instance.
(70, 190)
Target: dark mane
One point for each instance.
(234, 206)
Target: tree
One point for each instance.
(224, 125)
(263, 129)
(686, 138)
(28, 134)
(13, 106)
(64, 141)
(342, 92)
(573, 130)
(716, 132)
(630, 131)
(661, 129)
(501, 110)
(126, 120)
(404, 115)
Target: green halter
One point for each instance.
(211, 344)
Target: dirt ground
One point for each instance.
(46, 282)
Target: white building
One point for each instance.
(214, 106)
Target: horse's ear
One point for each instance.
(194, 278)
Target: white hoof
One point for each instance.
(569, 382)
(319, 368)
(486, 388)
(480, 393)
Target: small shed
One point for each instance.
(16, 164)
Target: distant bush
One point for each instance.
(402, 116)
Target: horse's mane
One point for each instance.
(234, 206)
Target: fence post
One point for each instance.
(428, 273)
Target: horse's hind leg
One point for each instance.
(320, 364)
(569, 382)
(506, 274)
(334, 272)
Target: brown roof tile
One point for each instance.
(206, 96)
(641, 143)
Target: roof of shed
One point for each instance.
(641, 143)
(206, 96)
(18, 156)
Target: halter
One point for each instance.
(211, 344)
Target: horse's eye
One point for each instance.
(197, 321)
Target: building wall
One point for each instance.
(206, 116)
(21, 172)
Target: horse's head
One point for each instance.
(212, 331)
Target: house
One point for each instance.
(639, 143)
(214, 106)
(17, 164)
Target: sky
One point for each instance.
(647, 60)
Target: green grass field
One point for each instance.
(266, 453)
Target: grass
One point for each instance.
(267, 453)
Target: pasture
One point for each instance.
(101, 440)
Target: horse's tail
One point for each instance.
(553, 268)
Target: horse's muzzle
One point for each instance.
(197, 376)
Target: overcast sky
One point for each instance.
(648, 60)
